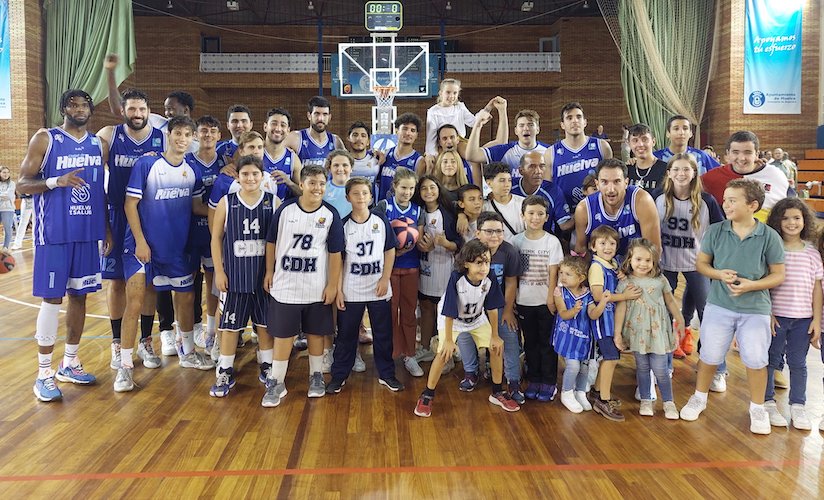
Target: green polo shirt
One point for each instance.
(750, 258)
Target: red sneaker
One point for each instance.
(503, 400)
(424, 406)
(678, 353)
(686, 342)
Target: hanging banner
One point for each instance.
(772, 57)
(5, 62)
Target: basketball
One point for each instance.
(7, 261)
(406, 232)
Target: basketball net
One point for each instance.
(384, 98)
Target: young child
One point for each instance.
(744, 259)
(241, 221)
(470, 203)
(339, 165)
(541, 254)
(644, 325)
(469, 293)
(447, 110)
(572, 338)
(303, 264)
(506, 267)
(406, 271)
(603, 277)
(439, 241)
(450, 173)
(501, 200)
(365, 285)
(796, 308)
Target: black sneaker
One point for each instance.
(335, 386)
(264, 372)
(391, 383)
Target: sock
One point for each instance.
(46, 330)
(146, 324)
(188, 339)
(44, 362)
(210, 325)
(753, 406)
(279, 370)
(225, 361)
(70, 355)
(116, 324)
(126, 358)
(497, 388)
(701, 396)
(430, 393)
(315, 364)
(266, 356)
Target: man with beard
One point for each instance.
(127, 142)
(238, 121)
(280, 162)
(367, 161)
(575, 156)
(64, 170)
(527, 127)
(313, 144)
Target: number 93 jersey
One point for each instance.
(303, 241)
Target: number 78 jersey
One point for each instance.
(467, 302)
(303, 241)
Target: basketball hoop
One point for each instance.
(384, 95)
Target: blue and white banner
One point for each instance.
(5, 62)
(772, 57)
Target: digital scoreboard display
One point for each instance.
(384, 16)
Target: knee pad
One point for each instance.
(46, 332)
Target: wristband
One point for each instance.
(51, 183)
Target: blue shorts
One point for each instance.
(606, 346)
(201, 255)
(112, 265)
(236, 309)
(68, 267)
(162, 276)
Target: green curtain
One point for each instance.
(79, 34)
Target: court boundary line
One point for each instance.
(434, 469)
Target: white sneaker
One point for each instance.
(328, 359)
(200, 335)
(145, 351)
(760, 421)
(670, 410)
(799, 417)
(652, 396)
(124, 382)
(693, 409)
(646, 408)
(423, 355)
(776, 418)
(359, 366)
(167, 343)
(570, 402)
(196, 360)
(115, 363)
(412, 366)
(581, 397)
(719, 383)
(448, 366)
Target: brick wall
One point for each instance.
(724, 111)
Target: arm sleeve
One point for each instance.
(596, 275)
(818, 268)
(272, 232)
(496, 153)
(467, 117)
(494, 298)
(556, 253)
(450, 228)
(560, 207)
(335, 242)
(774, 251)
(715, 213)
(512, 264)
(709, 240)
(450, 297)
(391, 240)
(137, 179)
(219, 189)
(431, 133)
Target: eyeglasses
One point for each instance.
(493, 232)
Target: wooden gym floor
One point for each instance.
(169, 439)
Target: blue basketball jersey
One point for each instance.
(207, 173)
(468, 169)
(227, 149)
(705, 162)
(558, 210)
(411, 259)
(284, 164)
(222, 186)
(244, 242)
(312, 153)
(123, 153)
(570, 167)
(572, 338)
(511, 153)
(388, 170)
(165, 192)
(605, 325)
(64, 215)
(625, 222)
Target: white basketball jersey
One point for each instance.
(436, 265)
(363, 263)
(467, 303)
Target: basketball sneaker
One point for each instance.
(515, 392)
(46, 390)
(74, 374)
(412, 366)
(275, 392)
(469, 382)
(115, 363)
(503, 400)
(391, 383)
(145, 351)
(335, 386)
(759, 421)
(693, 409)
(124, 382)
(197, 361)
(317, 387)
(424, 406)
(359, 366)
(775, 416)
(199, 335)
(799, 417)
(167, 343)
(224, 382)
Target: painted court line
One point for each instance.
(744, 464)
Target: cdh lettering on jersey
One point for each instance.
(299, 264)
(366, 269)
(249, 248)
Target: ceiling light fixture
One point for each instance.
(527, 6)
(311, 6)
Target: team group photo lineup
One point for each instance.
(517, 252)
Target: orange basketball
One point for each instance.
(6, 262)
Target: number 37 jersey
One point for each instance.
(363, 263)
(303, 241)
